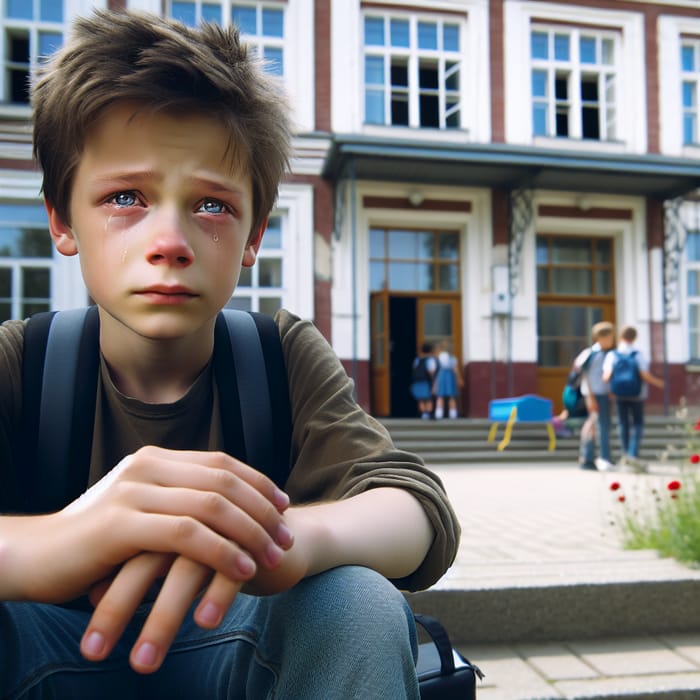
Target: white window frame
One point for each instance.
(520, 17)
(32, 28)
(693, 302)
(297, 45)
(574, 71)
(295, 208)
(691, 78)
(448, 64)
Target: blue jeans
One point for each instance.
(630, 411)
(587, 450)
(347, 633)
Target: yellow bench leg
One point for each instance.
(552, 437)
(509, 429)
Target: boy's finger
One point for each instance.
(182, 584)
(119, 601)
(217, 599)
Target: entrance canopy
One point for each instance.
(508, 167)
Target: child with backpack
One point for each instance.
(627, 372)
(162, 148)
(422, 375)
(589, 362)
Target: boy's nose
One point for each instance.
(170, 246)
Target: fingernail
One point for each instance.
(285, 538)
(209, 614)
(274, 554)
(281, 500)
(245, 565)
(94, 644)
(146, 654)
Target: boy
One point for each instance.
(595, 391)
(630, 409)
(162, 148)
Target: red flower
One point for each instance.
(621, 498)
(673, 485)
(695, 458)
(615, 486)
(697, 425)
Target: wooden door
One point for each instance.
(379, 360)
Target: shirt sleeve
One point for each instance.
(338, 450)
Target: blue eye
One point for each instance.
(124, 199)
(213, 206)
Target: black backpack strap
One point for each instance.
(61, 350)
(250, 373)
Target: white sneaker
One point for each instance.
(602, 465)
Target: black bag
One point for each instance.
(59, 410)
(443, 673)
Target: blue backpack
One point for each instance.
(625, 380)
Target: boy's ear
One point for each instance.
(251, 250)
(61, 232)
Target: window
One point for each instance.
(261, 287)
(32, 30)
(261, 23)
(693, 293)
(574, 83)
(690, 68)
(412, 72)
(414, 261)
(25, 260)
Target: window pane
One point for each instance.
(5, 312)
(211, 13)
(603, 282)
(689, 94)
(692, 246)
(539, 120)
(588, 49)
(36, 282)
(403, 244)
(270, 305)
(688, 58)
(374, 107)
(272, 23)
(273, 234)
(377, 279)
(693, 283)
(571, 251)
(376, 243)
(437, 319)
(6, 282)
(603, 252)
(539, 83)
(374, 31)
(374, 70)
(49, 42)
(184, 12)
(450, 37)
(571, 281)
(449, 278)
(273, 59)
(448, 246)
(690, 123)
(542, 281)
(245, 279)
(19, 9)
(24, 243)
(608, 52)
(427, 35)
(399, 33)
(539, 45)
(410, 276)
(245, 18)
(34, 307)
(269, 272)
(50, 10)
(561, 47)
(242, 303)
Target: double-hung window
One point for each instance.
(690, 86)
(25, 260)
(412, 71)
(260, 288)
(262, 24)
(574, 83)
(692, 247)
(32, 29)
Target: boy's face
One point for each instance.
(161, 218)
(606, 341)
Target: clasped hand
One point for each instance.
(201, 521)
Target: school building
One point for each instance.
(499, 173)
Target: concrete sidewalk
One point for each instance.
(545, 599)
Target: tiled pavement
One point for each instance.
(548, 536)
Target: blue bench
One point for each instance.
(520, 409)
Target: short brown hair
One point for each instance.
(628, 334)
(602, 330)
(160, 64)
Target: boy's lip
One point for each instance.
(166, 294)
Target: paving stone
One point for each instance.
(688, 645)
(556, 661)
